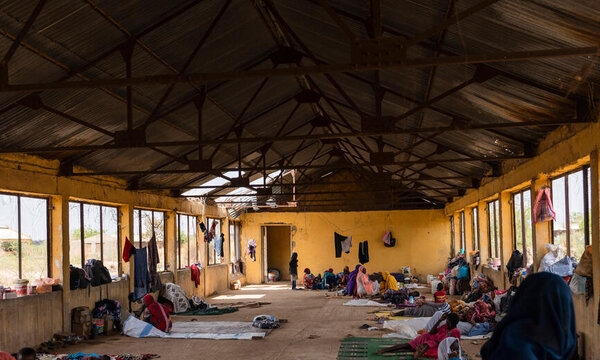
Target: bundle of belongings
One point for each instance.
(110, 311)
(265, 322)
(581, 281)
(457, 275)
(557, 262)
(175, 300)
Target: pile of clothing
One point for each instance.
(265, 322)
(92, 356)
(457, 275)
(110, 309)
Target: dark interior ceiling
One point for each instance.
(420, 99)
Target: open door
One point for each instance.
(279, 249)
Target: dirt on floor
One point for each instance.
(315, 326)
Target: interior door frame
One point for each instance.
(264, 242)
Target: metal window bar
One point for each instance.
(475, 227)
(452, 253)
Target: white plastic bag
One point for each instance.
(555, 253)
(577, 284)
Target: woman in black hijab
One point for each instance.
(540, 323)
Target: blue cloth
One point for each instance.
(352, 281)
(141, 276)
(540, 323)
(463, 272)
(219, 245)
(479, 329)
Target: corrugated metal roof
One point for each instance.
(68, 35)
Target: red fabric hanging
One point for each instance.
(542, 209)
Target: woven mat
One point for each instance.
(365, 348)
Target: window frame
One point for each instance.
(235, 241)
(48, 229)
(586, 206)
(523, 250)
(208, 225)
(463, 236)
(452, 235)
(140, 209)
(475, 228)
(82, 232)
(178, 216)
(496, 238)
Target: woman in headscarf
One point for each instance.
(449, 349)
(308, 279)
(389, 283)
(344, 276)
(351, 288)
(364, 286)
(157, 314)
(540, 323)
(294, 270)
(6, 356)
(329, 279)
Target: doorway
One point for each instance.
(278, 244)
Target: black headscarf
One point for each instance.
(539, 325)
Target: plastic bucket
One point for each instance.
(20, 286)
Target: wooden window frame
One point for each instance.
(475, 228)
(152, 211)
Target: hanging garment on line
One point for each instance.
(141, 277)
(128, 249)
(363, 252)
(543, 209)
(251, 250)
(342, 243)
(153, 260)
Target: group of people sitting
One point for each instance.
(528, 330)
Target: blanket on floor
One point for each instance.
(408, 328)
(209, 311)
(364, 302)
(217, 330)
(365, 348)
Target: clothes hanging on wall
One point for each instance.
(363, 252)
(515, 262)
(219, 245)
(195, 274)
(153, 260)
(387, 238)
(342, 244)
(128, 249)
(141, 277)
(543, 209)
(251, 249)
(203, 229)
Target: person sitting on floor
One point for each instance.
(308, 279)
(449, 349)
(540, 323)
(26, 354)
(156, 314)
(344, 276)
(351, 287)
(427, 344)
(389, 283)
(364, 286)
(329, 280)
(6, 356)
(440, 294)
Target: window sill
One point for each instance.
(217, 265)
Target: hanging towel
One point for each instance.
(543, 209)
(251, 250)
(128, 249)
(153, 260)
(342, 243)
(141, 277)
(195, 275)
(203, 230)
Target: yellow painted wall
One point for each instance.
(278, 249)
(32, 175)
(564, 149)
(422, 239)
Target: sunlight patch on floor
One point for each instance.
(239, 297)
(266, 287)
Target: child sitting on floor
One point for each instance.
(440, 295)
(308, 279)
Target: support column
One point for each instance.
(595, 223)
(171, 242)
(65, 260)
(506, 233)
(484, 235)
(126, 231)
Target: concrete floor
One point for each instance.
(315, 326)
